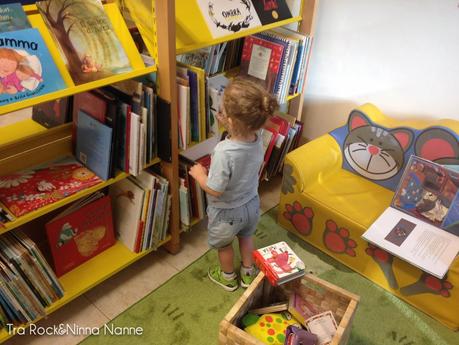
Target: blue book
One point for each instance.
(12, 18)
(93, 145)
(26, 67)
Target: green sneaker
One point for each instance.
(247, 279)
(216, 275)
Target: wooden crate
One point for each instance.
(322, 294)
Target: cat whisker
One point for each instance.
(363, 140)
(385, 154)
(388, 150)
(385, 160)
(362, 145)
(356, 150)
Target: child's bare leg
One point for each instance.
(226, 257)
(246, 249)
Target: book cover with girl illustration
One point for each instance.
(85, 37)
(26, 67)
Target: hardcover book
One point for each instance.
(271, 11)
(94, 145)
(28, 190)
(225, 17)
(77, 236)
(86, 38)
(261, 59)
(26, 67)
(279, 263)
(421, 226)
(53, 113)
(13, 18)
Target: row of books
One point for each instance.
(281, 134)
(99, 55)
(28, 284)
(115, 127)
(141, 210)
(278, 58)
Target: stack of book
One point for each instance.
(278, 58)
(28, 284)
(141, 207)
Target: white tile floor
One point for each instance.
(113, 296)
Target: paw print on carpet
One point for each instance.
(428, 284)
(174, 313)
(402, 340)
(384, 260)
(337, 239)
(300, 217)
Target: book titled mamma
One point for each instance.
(279, 263)
(86, 38)
(26, 67)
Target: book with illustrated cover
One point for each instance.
(13, 17)
(26, 67)
(80, 234)
(85, 37)
(279, 263)
(53, 113)
(226, 17)
(421, 225)
(271, 11)
(28, 190)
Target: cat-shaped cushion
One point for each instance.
(380, 154)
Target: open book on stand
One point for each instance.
(421, 225)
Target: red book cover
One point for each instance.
(76, 237)
(28, 190)
(261, 59)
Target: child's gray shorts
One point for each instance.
(227, 223)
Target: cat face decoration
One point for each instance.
(380, 154)
(372, 151)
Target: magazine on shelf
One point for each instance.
(86, 38)
(13, 17)
(421, 225)
(279, 263)
(27, 68)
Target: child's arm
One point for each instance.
(199, 173)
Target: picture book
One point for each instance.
(26, 67)
(421, 225)
(271, 11)
(225, 17)
(81, 234)
(28, 190)
(261, 59)
(85, 36)
(93, 145)
(13, 17)
(323, 325)
(279, 263)
(53, 113)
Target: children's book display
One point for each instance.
(13, 17)
(421, 225)
(26, 67)
(80, 232)
(29, 285)
(28, 190)
(279, 263)
(53, 113)
(225, 17)
(85, 37)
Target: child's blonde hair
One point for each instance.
(248, 104)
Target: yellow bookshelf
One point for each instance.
(93, 272)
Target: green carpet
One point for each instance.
(188, 308)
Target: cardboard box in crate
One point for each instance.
(324, 295)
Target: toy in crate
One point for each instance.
(324, 311)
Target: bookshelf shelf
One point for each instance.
(92, 273)
(194, 34)
(51, 207)
(20, 130)
(290, 97)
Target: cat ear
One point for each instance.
(437, 144)
(357, 119)
(404, 136)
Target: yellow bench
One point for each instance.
(330, 207)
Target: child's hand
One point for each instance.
(197, 171)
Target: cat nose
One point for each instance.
(374, 150)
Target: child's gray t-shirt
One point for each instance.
(234, 171)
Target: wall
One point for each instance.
(401, 55)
